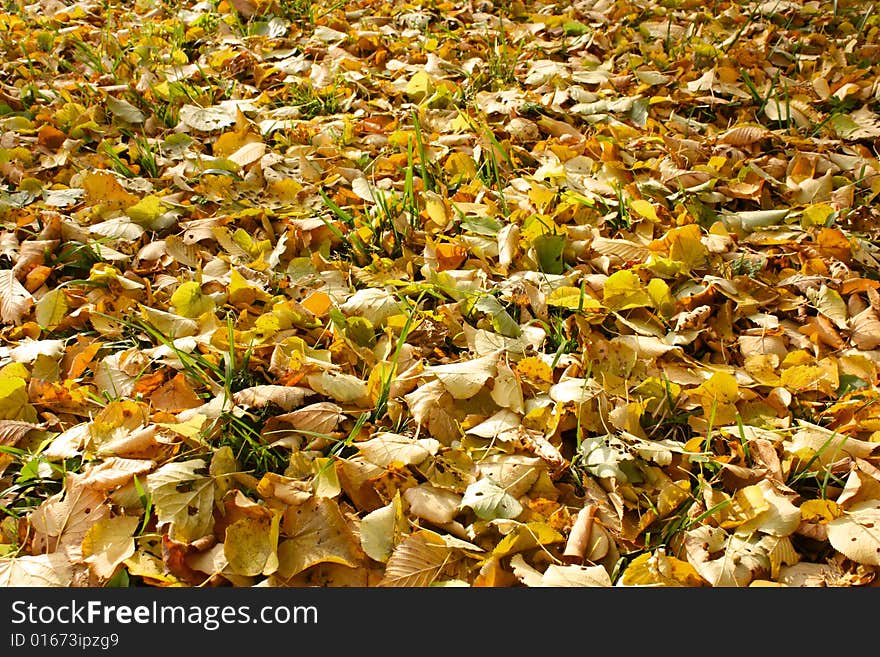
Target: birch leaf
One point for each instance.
(856, 533)
(829, 303)
(489, 501)
(184, 499)
(417, 561)
(251, 543)
(15, 300)
(387, 448)
(42, 570)
(381, 529)
(108, 543)
(316, 532)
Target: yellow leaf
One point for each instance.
(229, 142)
(661, 297)
(821, 511)
(420, 86)
(720, 387)
(816, 215)
(51, 309)
(436, 209)
(671, 495)
(659, 570)
(803, 377)
(251, 543)
(108, 543)
(541, 197)
(762, 368)
(460, 167)
(102, 189)
(379, 378)
(14, 400)
(527, 536)
(747, 504)
(242, 293)
(623, 290)
(317, 303)
(645, 209)
(326, 480)
(573, 298)
(535, 370)
(684, 245)
(183, 498)
(146, 211)
(189, 301)
(189, 429)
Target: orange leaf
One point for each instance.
(450, 256)
(79, 357)
(317, 303)
(36, 277)
(50, 137)
(833, 243)
(175, 395)
(148, 383)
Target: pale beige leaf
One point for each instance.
(321, 417)
(108, 543)
(743, 135)
(374, 304)
(60, 523)
(386, 448)
(489, 501)
(739, 560)
(113, 472)
(525, 573)
(433, 504)
(417, 561)
(623, 249)
(865, 327)
(576, 576)
(502, 421)
(646, 346)
(42, 570)
(781, 518)
(515, 473)
(507, 390)
(434, 408)
(342, 388)
(206, 119)
(380, 529)
(856, 534)
(466, 378)
(829, 446)
(284, 397)
(68, 443)
(15, 300)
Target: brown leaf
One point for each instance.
(11, 431)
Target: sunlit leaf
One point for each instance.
(184, 498)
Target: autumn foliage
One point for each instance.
(479, 293)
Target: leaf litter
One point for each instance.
(439, 293)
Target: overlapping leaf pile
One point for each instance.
(448, 293)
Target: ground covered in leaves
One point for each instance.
(365, 293)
